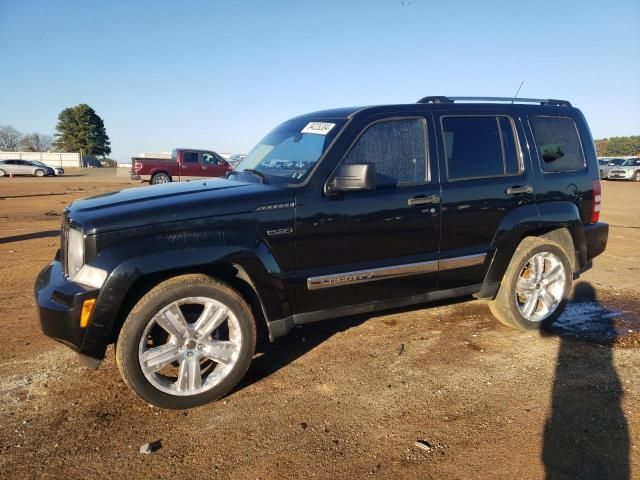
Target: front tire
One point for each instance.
(187, 342)
(636, 176)
(160, 178)
(536, 286)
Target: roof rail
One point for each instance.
(435, 100)
(541, 101)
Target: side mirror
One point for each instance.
(350, 178)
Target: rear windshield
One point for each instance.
(288, 153)
(558, 144)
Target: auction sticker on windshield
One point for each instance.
(319, 128)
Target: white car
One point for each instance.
(25, 167)
(629, 170)
(605, 164)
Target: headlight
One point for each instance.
(76, 268)
(75, 252)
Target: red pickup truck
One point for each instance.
(185, 164)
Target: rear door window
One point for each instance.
(480, 147)
(190, 157)
(558, 144)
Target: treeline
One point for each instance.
(79, 129)
(11, 140)
(618, 146)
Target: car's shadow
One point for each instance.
(271, 357)
(30, 236)
(586, 434)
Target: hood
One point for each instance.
(136, 207)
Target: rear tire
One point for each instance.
(39, 173)
(160, 178)
(536, 286)
(187, 342)
(2, 173)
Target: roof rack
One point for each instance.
(541, 101)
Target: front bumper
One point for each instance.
(619, 176)
(59, 304)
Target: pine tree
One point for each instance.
(80, 129)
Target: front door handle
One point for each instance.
(431, 199)
(517, 190)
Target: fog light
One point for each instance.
(87, 308)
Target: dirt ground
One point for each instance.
(341, 399)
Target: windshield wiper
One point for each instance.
(259, 175)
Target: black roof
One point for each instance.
(440, 102)
(344, 112)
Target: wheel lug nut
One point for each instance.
(200, 346)
(189, 354)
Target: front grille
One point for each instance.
(618, 172)
(64, 240)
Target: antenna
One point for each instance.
(517, 92)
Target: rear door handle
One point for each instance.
(519, 190)
(431, 199)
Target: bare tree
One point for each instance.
(9, 138)
(36, 142)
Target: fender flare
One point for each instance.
(534, 219)
(177, 253)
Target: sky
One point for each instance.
(221, 74)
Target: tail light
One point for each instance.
(595, 203)
(137, 166)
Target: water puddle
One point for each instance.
(593, 321)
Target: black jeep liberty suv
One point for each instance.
(333, 213)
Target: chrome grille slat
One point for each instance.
(64, 235)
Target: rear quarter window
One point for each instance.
(558, 144)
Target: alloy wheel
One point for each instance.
(540, 286)
(190, 346)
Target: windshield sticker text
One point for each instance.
(319, 128)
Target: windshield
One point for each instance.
(630, 162)
(288, 153)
